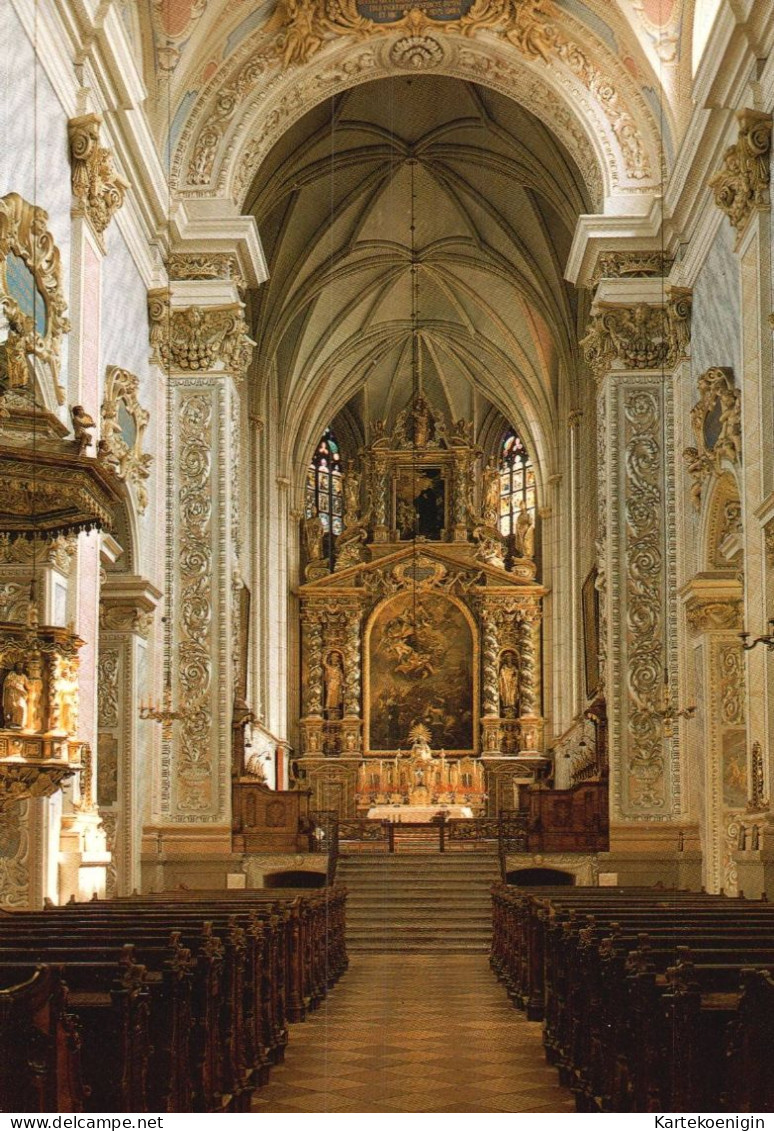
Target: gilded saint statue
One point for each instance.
(351, 496)
(334, 683)
(314, 532)
(508, 685)
(490, 495)
(16, 690)
(525, 533)
(423, 422)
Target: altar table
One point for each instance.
(416, 814)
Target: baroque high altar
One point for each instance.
(430, 619)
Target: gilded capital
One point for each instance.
(714, 616)
(631, 265)
(742, 183)
(206, 265)
(642, 336)
(97, 187)
(198, 338)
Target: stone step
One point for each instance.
(419, 915)
(416, 901)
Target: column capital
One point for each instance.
(198, 339)
(98, 188)
(127, 604)
(640, 335)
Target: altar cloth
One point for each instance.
(407, 814)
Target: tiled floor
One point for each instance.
(419, 1032)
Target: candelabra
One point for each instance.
(766, 638)
(165, 714)
(669, 712)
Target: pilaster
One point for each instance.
(127, 605)
(639, 332)
(199, 338)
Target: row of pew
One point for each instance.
(163, 1003)
(651, 1000)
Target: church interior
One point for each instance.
(386, 555)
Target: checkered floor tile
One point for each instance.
(418, 1032)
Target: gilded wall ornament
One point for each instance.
(742, 183)
(641, 336)
(196, 425)
(644, 565)
(210, 265)
(37, 331)
(631, 265)
(125, 618)
(124, 421)
(768, 534)
(716, 419)
(731, 665)
(56, 552)
(199, 338)
(758, 800)
(97, 187)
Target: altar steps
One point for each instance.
(416, 902)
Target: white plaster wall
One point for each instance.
(33, 140)
(716, 321)
(124, 342)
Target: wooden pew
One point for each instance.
(640, 991)
(217, 974)
(40, 1068)
(110, 1004)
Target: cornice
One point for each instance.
(595, 234)
(220, 234)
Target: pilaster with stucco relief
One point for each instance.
(632, 348)
(741, 189)
(205, 350)
(127, 607)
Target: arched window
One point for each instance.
(324, 489)
(517, 482)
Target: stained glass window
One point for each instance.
(325, 488)
(517, 482)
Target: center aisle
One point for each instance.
(413, 1033)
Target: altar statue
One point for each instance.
(508, 684)
(334, 682)
(490, 495)
(420, 747)
(351, 496)
(313, 533)
(525, 532)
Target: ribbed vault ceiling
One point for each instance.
(495, 204)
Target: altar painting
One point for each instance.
(420, 670)
(420, 503)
